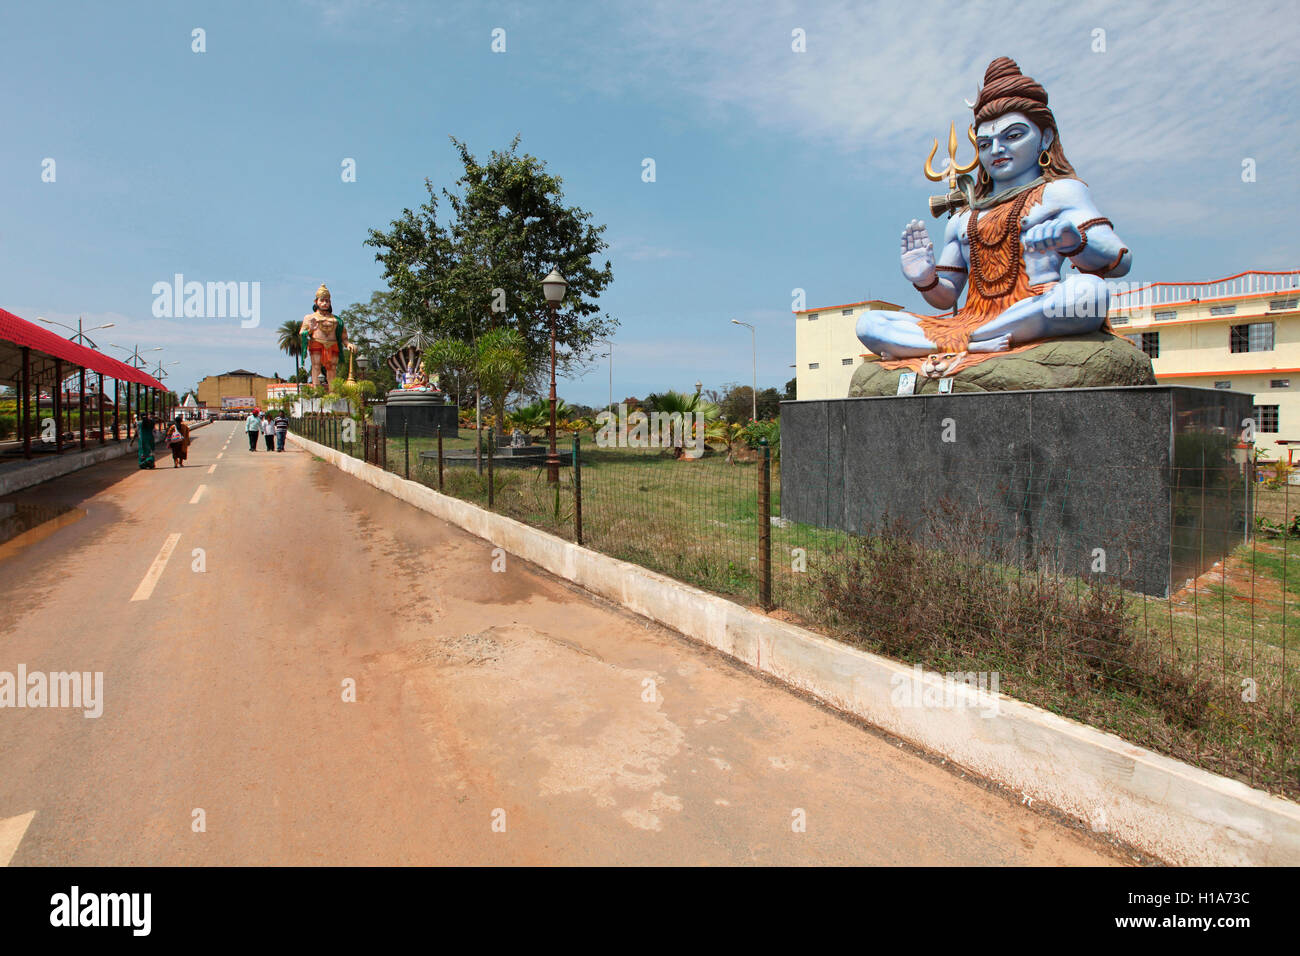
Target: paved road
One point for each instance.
(500, 717)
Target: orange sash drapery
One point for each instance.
(951, 333)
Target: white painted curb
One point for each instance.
(1170, 809)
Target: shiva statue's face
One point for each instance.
(1009, 147)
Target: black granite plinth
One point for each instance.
(420, 413)
(1147, 478)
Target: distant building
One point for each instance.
(234, 390)
(1241, 332)
(827, 349)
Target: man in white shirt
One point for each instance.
(252, 425)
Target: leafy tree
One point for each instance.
(480, 267)
(769, 404)
(791, 390)
(378, 331)
(452, 360)
(737, 403)
(494, 364)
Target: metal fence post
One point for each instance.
(491, 484)
(406, 442)
(440, 458)
(577, 487)
(765, 528)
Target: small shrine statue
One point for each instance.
(407, 364)
(323, 338)
(1020, 219)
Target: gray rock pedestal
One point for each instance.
(420, 412)
(1098, 360)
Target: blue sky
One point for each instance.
(775, 170)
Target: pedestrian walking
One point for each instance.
(144, 434)
(268, 432)
(281, 430)
(252, 425)
(178, 440)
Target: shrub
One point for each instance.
(945, 592)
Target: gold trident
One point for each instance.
(953, 169)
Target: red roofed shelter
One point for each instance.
(31, 356)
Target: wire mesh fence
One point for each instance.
(1066, 612)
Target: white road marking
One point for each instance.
(212, 469)
(11, 834)
(220, 453)
(197, 495)
(155, 571)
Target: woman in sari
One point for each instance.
(144, 432)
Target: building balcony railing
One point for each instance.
(1127, 297)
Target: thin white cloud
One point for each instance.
(1179, 95)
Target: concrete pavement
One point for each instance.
(499, 716)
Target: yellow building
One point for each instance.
(826, 347)
(234, 390)
(1241, 332)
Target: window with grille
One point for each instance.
(1166, 315)
(1254, 337)
(1223, 385)
(812, 316)
(814, 364)
(1276, 304)
(1223, 310)
(1266, 418)
(1119, 320)
(1280, 383)
(846, 311)
(1151, 344)
(847, 361)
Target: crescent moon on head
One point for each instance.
(978, 87)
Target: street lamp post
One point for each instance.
(554, 287)
(753, 338)
(81, 337)
(611, 372)
(364, 364)
(134, 356)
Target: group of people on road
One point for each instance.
(176, 437)
(273, 430)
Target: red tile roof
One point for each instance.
(47, 346)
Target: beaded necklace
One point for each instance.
(991, 286)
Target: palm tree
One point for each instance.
(289, 339)
(536, 416)
(496, 363)
(682, 403)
